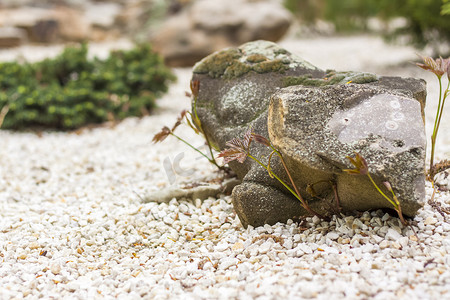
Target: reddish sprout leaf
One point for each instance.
(360, 164)
(179, 119)
(248, 136)
(442, 64)
(161, 136)
(236, 143)
(429, 63)
(233, 153)
(238, 149)
(437, 66)
(260, 139)
(448, 68)
(388, 186)
(195, 87)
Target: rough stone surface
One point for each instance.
(207, 26)
(315, 119)
(384, 126)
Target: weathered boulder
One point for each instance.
(48, 25)
(12, 37)
(316, 119)
(316, 128)
(207, 26)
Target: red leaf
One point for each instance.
(195, 87)
(161, 136)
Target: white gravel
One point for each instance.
(73, 225)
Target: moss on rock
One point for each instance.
(259, 56)
(215, 65)
(256, 58)
(276, 65)
(332, 77)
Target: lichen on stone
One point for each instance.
(332, 77)
(256, 58)
(215, 65)
(276, 65)
(236, 69)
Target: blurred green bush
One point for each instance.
(426, 19)
(70, 91)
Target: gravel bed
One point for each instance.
(73, 225)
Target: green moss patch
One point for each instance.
(331, 78)
(227, 64)
(70, 91)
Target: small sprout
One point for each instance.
(193, 121)
(388, 186)
(362, 168)
(439, 67)
(161, 136)
(195, 87)
(179, 119)
(238, 149)
(260, 139)
(235, 152)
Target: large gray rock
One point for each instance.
(315, 119)
(316, 128)
(207, 26)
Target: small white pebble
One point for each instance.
(55, 268)
(333, 235)
(384, 244)
(393, 235)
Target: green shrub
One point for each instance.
(427, 21)
(426, 24)
(70, 91)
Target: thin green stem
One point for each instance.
(442, 108)
(435, 128)
(395, 202)
(203, 154)
(290, 177)
(296, 192)
(305, 204)
(275, 175)
(209, 146)
(195, 108)
(204, 134)
(381, 192)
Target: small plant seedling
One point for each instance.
(439, 67)
(193, 121)
(240, 149)
(362, 168)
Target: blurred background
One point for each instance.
(184, 31)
